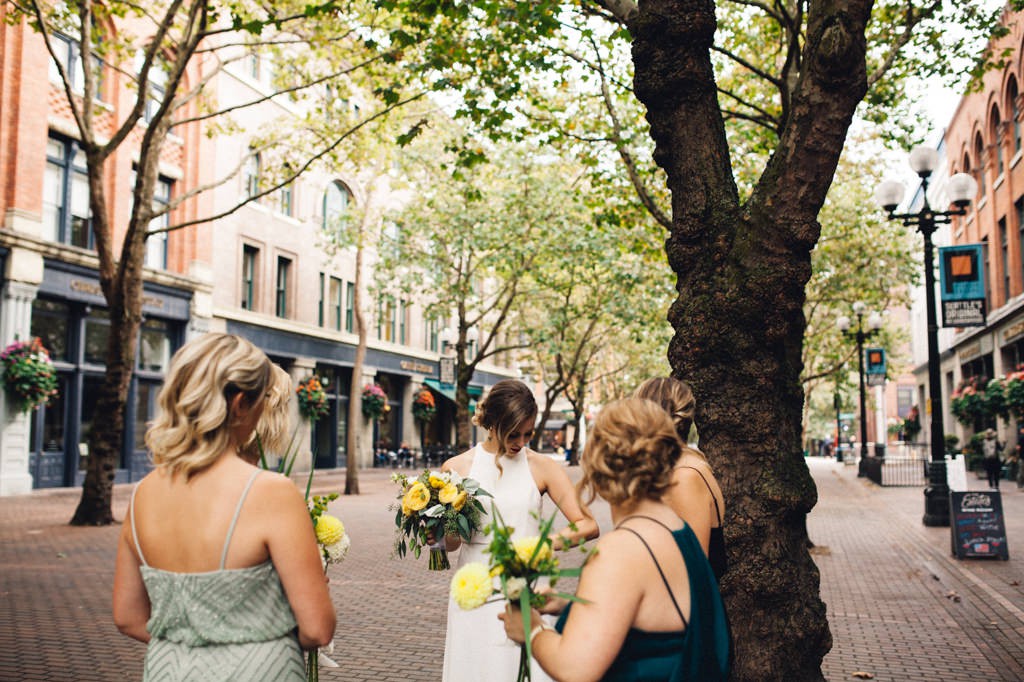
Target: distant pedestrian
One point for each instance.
(990, 458)
(1020, 456)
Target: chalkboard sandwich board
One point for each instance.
(977, 525)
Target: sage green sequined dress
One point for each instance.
(219, 626)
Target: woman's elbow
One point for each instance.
(132, 628)
(318, 634)
(589, 528)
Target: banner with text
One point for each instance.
(962, 285)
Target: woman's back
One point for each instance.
(208, 620)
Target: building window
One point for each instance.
(249, 257)
(1014, 113)
(1019, 206)
(997, 142)
(1004, 247)
(350, 306)
(403, 311)
(433, 328)
(320, 302)
(979, 153)
(251, 174)
(336, 202)
(66, 211)
(386, 319)
(988, 273)
(156, 244)
(253, 66)
(286, 200)
(69, 54)
(335, 293)
(284, 266)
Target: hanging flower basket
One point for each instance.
(375, 401)
(978, 399)
(312, 398)
(29, 377)
(1014, 393)
(423, 406)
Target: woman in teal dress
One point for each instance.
(217, 564)
(649, 605)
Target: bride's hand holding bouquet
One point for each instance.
(434, 505)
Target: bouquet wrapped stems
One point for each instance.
(439, 557)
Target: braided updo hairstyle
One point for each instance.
(508, 404)
(675, 396)
(630, 453)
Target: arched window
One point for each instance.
(1011, 106)
(979, 153)
(337, 198)
(997, 139)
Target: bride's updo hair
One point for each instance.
(630, 453)
(193, 426)
(508, 404)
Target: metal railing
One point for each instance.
(899, 464)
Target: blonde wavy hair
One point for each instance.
(676, 397)
(508, 404)
(275, 424)
(193, 426)
(630, 453)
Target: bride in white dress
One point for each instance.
(476, 648)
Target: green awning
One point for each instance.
(448, 391)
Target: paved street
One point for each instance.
(899, 606)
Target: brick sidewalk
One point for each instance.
(887, 581)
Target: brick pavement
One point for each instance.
(889, 615)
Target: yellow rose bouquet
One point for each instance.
(432, 505)
(515, 568)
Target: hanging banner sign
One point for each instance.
(874, 366)
(962, 285)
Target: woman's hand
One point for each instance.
(513, 619)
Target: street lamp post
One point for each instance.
(960, 188)
(874, 324)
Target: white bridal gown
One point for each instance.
(475, 647)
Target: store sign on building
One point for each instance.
(447, 371)
(962, 285)
(413, 366)
(874, 366)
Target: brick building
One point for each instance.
(262, 272)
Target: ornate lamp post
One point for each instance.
(960, 188)
(874, 324)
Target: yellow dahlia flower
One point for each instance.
(416, 497)
(329, 530)
(525, 548)
(471, 586)
(436, 481)
(448, 493)
(460, 500)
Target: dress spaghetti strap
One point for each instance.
(234, 520)
(718, 512)
(655, 560)
(131, 520)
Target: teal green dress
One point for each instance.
(700, 652)
(219, 626)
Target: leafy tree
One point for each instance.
(745, 201)
(185, 45)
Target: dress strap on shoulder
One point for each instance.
(234, 519)
(718, 511)
(655, 560)
(131, 520)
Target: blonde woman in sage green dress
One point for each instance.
(217, 565)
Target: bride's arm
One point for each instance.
(551, 478)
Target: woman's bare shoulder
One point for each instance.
(460, 463)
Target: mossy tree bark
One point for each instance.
(738, 319)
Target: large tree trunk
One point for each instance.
(355, 402)
(738, 318)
